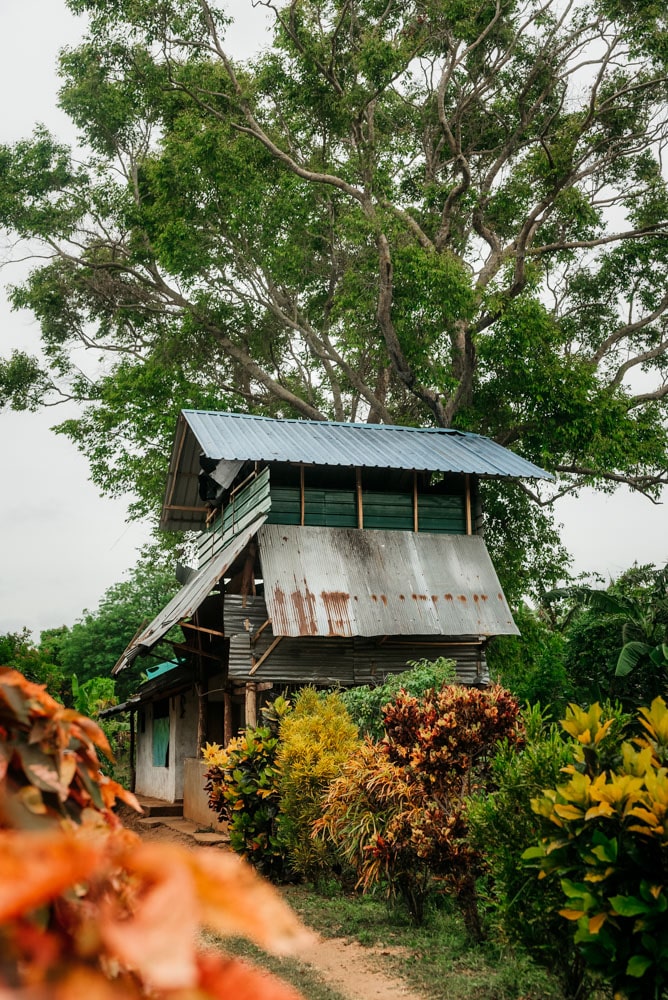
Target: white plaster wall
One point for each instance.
(156, 782)
(183, 737)
(166, 783)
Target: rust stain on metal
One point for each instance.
(383, 598)
(434, 598)
(476, 598)
(448, 597)
(374, 598)
(337, 609)
(500, 596)
(401, 597)
(419, 597)
(304, 608)
(461, 598)
(483, 597)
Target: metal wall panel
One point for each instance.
(247, 507)
(343, 582)
(330, 660)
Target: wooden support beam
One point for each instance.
(191, 649)
(358, 491)
(302, 497)
(191, 510)
(227, 718)
(133, 767)
(416, 523)
(256, 635)
(469, 523)
(176, 466)
(200, 628)
(256, 666)
(251, 705)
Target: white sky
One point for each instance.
(61, 544)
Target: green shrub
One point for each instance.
(502, 826)
(365, 703)
(316, 738)
(397, 811)
(609, 848)
(242, 782)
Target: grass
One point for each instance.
(437, 959)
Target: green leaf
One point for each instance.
(638, 965)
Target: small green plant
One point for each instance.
(610, 848)
(316, 739)
(242, 782)
(397, 811)
(365, 703)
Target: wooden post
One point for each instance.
(251, 705)
(302, 497)
(468, 505)
(227, 718)
(416, 522)
(133, 768)
(358, 489)
(202, 691)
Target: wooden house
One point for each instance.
(328, 554)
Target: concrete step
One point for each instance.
(158, 807)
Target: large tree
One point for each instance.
(446, 212)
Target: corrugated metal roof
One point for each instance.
(342, 582)
(238, 437)
(184, 604)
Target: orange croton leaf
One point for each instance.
(153, 931)
(597, 922)
(37, 867)
(234, 900)
(222, 978)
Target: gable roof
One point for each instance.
(237, 438)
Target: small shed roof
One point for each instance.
(236, 438)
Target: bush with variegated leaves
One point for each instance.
(609, 848)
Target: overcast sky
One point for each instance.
(61, 544)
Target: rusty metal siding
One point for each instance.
(343, 582)
(240, 437)
(334, 661)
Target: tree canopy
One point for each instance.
(445, 212)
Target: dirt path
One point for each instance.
(352, 970)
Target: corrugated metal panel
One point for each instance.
(247, 506)
(331, 660)
(186, 602)
(341, 582)
(234, 436)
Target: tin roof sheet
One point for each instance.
(184, 604)
(239, 437)
(342, 582)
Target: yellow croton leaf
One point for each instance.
(637, 762)
(597, 922)
(581, 724)
(565, 811)
(655, 720)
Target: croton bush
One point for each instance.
(609, 848)
(397, 812)
(89, 910)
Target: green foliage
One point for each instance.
(40, 664)
(94, 643)
(364, 704)
(616, 637)
(532, 665)
(397, 811)
(242, 782)
(609, 848)
(502, 825)
(316, 739)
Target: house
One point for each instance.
(329, 554)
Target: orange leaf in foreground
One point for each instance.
(37, 867)
(235, 901)
(230, 979)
